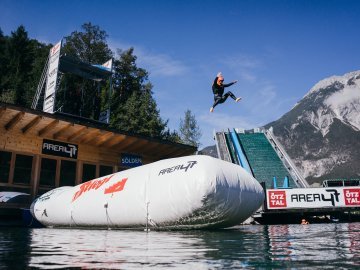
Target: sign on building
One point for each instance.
(60, 149)
(52, 74)
(129, 160)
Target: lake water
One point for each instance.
(332, 246)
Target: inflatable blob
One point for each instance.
(191, 192)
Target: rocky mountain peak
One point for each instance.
(322, 131)
(337, 97)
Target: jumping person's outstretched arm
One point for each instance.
(229, 84)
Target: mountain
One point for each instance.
(209, 151)
(321, 133)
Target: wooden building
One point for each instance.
(41, 151)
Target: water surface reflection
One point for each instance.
(250, 247)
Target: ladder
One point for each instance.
(40, 86)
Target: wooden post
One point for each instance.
(12, 168)
(79, 166)
(35, 176)
(57, 176)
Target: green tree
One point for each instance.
(88, 45)
(128, 78)
(21, 63)
(172, 136)
(77, 95)
(133, 108)
(20, 59)
(3, 62)
(190, 132)
(139, 114)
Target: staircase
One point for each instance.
(40, 86)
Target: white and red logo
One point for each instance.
(277, 198)
(352, 196)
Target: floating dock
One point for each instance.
(326, 204)
(263, 156)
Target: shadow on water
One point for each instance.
(250, 247)
(14, 248)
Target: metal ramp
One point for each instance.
(264, 160)
(264, 154)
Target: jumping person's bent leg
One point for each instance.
(232, 96)
(217, 100)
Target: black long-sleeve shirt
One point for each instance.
(219, 89)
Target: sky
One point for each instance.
(276, 49)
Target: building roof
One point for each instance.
(80, 130)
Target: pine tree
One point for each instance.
(77, 95)
(128, 77)
(21, 57)
(172, 136)
(133, 108)
(190, 132)
(21, 63)
(88, 45)
(151, 122)
(3, 62)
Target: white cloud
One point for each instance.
(242, 61)
(160, 64)
(243, 65)
(267, 94)
(247, 76)
(266, 104)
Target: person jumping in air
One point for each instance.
(218, 90)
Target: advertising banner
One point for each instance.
(49, 98)
(130, 160)
(313, 197)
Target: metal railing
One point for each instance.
(289, 164)
(221, 146)
(40, 86)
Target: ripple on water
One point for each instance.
(250, 247)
